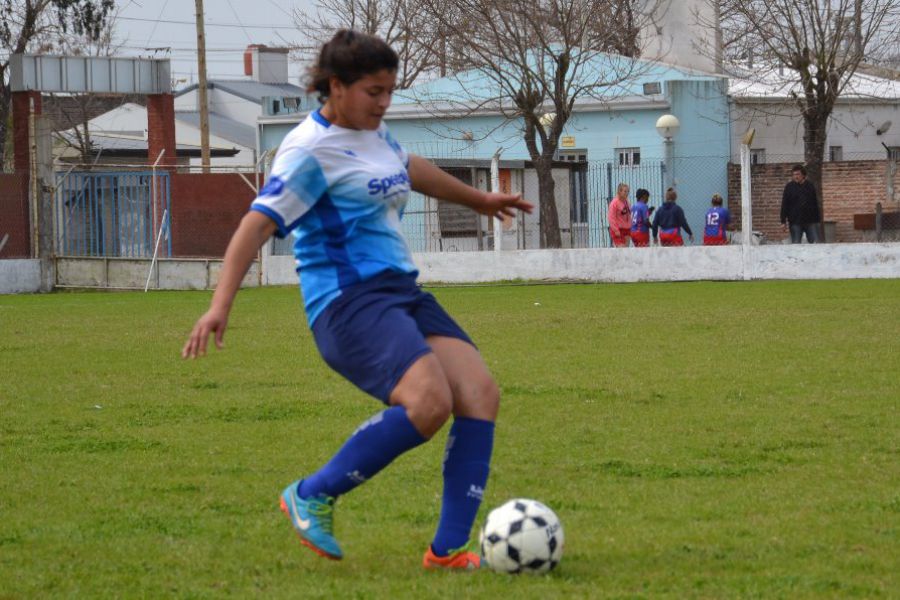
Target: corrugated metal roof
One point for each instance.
(223, 127)
(124, 146)
(253, 91)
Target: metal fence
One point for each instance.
(583, 191)
(113, 213)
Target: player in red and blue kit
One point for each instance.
(718, 218)
(339, 185)
(669, 221)
(640, 220)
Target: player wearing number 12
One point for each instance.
(718, 218)
(339, 183)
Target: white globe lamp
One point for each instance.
(546, 120)
(667, 126)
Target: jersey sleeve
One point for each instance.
(294, 186)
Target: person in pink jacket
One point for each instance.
(619, 216)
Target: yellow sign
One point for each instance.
(567, 141)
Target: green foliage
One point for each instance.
(697, 440)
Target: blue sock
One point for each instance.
(467, 462)
(371, 448)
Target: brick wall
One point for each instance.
(14, 215)
(206, 210)
(161, 129)
(850, 187)
(21, 109)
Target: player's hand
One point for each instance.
(214, 321)
(503, 205)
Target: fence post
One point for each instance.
(746, 203)
(495, 187)
(33, 193)
(746, 190)
(878, 221)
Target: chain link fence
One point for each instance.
(107, 210)
(583, 191)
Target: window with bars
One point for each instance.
(628, 157)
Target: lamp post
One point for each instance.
(667, 126)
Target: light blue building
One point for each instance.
(614, 133)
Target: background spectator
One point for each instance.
(800, 207)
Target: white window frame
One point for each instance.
(625, 157)
(757, 156)
(572, 155)
(835, 153)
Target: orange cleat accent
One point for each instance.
(461, 560)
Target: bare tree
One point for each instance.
(812, 48)
(28, 25)
(400, 23)
(71, 113)
(531, 61)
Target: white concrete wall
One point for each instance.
(233, 107)
(124, 273)
(189, 101)
(270, 67)
(722, 263)
(779, 129)
(20, 276)
(681, 32)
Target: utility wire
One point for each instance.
(192, 24)
(156, 24)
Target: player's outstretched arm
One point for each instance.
(432, 181)
(254, 230)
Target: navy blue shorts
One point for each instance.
(375, 330)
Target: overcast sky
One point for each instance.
(230, 26)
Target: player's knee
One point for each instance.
(478, 398)
(488, 394)
(431, 406)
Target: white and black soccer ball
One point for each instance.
(522, 536)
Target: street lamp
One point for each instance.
(546, 121)
(667, 126)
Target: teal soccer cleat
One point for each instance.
(312, 519)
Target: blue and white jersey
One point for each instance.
(342, 192)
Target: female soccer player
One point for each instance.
(640, 219)
(669, 221)
(619, 217)
(340, 182)
(718, 221)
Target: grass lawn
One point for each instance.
(696, 440)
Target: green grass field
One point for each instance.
(697, 440)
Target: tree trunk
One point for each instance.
(814, 140)
(549, 216)
(5, 123)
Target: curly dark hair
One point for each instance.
(349, 56)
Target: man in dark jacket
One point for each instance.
(800, 207)
(670, 218)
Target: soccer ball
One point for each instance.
(522, 536)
